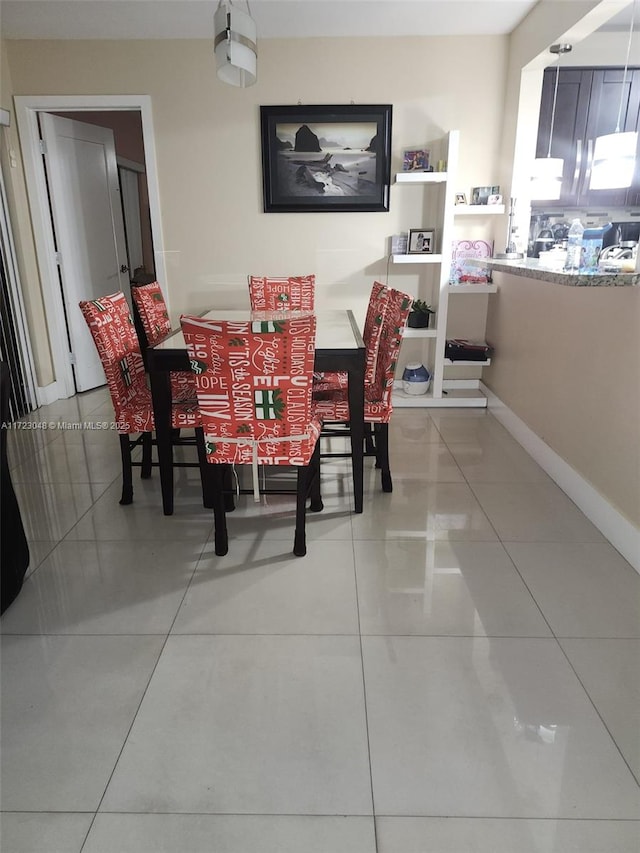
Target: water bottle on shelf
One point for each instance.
(574, 247)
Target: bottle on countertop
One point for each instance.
(574, 247)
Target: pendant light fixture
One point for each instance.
(235, 44)
(614, 154)
(546, 178)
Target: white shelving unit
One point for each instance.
(479, 209)
(443, 394)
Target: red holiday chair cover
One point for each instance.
(254, 381)
(295, 293)
(152, 310)
(371, 337)
(113, 333)
(333, 406)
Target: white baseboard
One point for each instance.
(620, 532)
(47, 394)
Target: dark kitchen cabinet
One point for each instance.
(587, 106)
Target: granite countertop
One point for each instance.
(532, 268)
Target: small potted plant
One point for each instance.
(419, 315)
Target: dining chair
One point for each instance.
(333, 405)
(371, 336)
(293, 293)
(111, 327)
(154, 325)
(254, 382)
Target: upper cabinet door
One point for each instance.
(568, 136)
(587, 107)
(607, 92)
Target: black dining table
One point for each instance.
(339, 347)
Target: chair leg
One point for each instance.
(227, 485)
(205, 471)
(300, 538)
(369, 443)
(221, 538)
(382, 455)
(313, 480)
(147, 449)
(127, 471)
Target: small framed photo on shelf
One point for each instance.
(480, 195)
(421, 241)
(461, 198)
(415, 161)
(496, 198)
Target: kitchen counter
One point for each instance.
(532, 268)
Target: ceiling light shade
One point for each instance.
(614, 161)
(546, 177)
(614, 154)
(235, 45)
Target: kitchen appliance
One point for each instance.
(544, 242)
(619, 251)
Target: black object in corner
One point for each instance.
(14, 550)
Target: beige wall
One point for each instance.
(208, 147)
(568, 364)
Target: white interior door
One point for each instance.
(82, 174)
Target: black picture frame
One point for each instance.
(321, 158)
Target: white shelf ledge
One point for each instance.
(473, 288)
(417, 259)
(469, 399)
(421, 177)
(419, 333)
(478, 209)
(449, 362)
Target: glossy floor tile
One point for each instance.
(265, 591)
(534, 512)
(249, 725)
(455, 670)
(42, 832)
(609, 671)
(488, 727)
(584, 590)
(104, 588)
(153, 833)
(419, 510)
(452, 588)
(489, 835)
(67, 705)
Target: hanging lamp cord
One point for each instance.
(626, 66)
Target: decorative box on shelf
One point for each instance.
(462, 272)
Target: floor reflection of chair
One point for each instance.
(113, 333)
(293, 293)
(333, 404)
(254, 382)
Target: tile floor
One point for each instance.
(453, 671)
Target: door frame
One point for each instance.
(27, 108)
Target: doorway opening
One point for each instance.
(134, 197)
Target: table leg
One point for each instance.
(356, 426)
(161, 393)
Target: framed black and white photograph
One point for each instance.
(421, 241)
(326, 158)
(461, 198)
